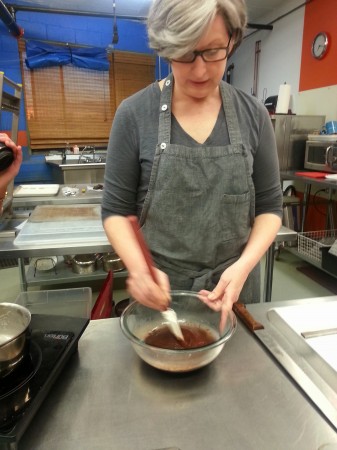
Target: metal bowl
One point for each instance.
(137, 321)
(14, 324)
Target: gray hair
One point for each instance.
(175, 26)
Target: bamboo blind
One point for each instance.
(67, 104)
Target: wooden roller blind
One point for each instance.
(67, 104)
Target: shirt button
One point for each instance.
(164, 108)
(163, 145)
(167, 82)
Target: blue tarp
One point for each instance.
(40, 54)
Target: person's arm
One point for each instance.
(140, 284)
(129, 160)
(7, 175)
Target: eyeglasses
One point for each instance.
(208, 55)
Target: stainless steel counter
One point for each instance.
(85, 195)
(9, 250)
(312, 363)
(107, 398)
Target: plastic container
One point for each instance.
(61, 224)
(76, 302)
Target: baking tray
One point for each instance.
(65, 213)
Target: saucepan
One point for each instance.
(84, 264)
(111, 261)
(14, 328)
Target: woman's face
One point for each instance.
(199, 78)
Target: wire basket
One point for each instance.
(310, 243)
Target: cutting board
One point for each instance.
(311, 174)
(311, 317)
(36, 190)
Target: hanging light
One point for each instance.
(115, 37)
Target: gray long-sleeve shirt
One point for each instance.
(133, 139)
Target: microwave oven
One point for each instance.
(321, 155)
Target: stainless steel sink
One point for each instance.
(95, 159)
(76, 171)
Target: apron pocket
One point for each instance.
(236, 216)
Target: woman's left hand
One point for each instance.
(226, 292)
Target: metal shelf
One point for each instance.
(63, 274)
(10, 103)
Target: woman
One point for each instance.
(196, 161)
(7, 175)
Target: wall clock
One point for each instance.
(320, 45)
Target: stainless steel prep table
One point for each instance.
(284, 235)
(9, 250)
(107, 398)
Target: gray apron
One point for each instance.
(200, 205)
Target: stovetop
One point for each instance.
(51, 342)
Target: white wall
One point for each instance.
(280, 61)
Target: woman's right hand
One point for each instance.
(142, 288)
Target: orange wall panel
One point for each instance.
(320, 15)
(22, 137)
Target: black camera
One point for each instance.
(6, 156)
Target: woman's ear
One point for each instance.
(232, 46)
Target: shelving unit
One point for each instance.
(321, 183)
(63, 274)
(10, 103)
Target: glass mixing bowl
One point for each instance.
(137, 321)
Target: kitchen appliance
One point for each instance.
(58, 319)
(291, 133)
(53, 340)
(321, 153)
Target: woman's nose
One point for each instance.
(199, 66)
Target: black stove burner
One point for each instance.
(52, 341)
(15, 391)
